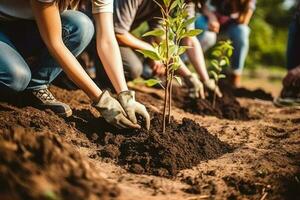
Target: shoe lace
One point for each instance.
(44, 95)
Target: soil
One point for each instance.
(39, 165)
(253, 94)
(199, 157)
(226, 107)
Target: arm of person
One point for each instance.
(213, 23)
(129, 40)
(195, 54)
(245, 17)
(108, 48)
(49, 24)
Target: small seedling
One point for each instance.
(174, 22)
(221, 59)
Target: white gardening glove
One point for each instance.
(112, 112)
(195, 87)
(132, 107)
(212, 86)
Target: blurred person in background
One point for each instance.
(228, 18)
(128, 15)
(290, 94)
(40, 38)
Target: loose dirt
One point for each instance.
(199, 157)
(39, 165)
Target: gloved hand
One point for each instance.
(112, 112)
(132, 107)
(212, 86)
(196, 89)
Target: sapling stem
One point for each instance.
(167, 93)
(168, 51)
(215, 96)
(170, 97)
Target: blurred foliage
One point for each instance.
(269, 30)
(268, 39)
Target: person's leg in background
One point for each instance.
(133, 66)
(207, 38)
(239, 35)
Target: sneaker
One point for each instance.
(287, 102)
(43, 99)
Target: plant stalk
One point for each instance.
(214, 98)
(167, 95)
(170, 97)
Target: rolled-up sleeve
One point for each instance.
(102, 6)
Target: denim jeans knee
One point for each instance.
(78, 30)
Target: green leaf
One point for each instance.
(167, 3)
(156, 32)
(192, 33)
(175, 66)
(50, 195)
(151, 82)
(223, 62)
(221, 76)
(229, 52)
(216, 53)
(150, 54)
(189, 21)
(214, 75)
(173, 5)
(178, 79)
(182, 49)
(172, 50)
(227, 60)
(215, 65)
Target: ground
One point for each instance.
(257, 157)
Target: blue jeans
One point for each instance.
(237, 33)
(25, 62)
(293, 47)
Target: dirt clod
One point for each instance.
(39, 165)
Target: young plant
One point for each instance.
(173, 29)
(221, 59)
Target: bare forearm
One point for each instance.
(75, 72)
(113, 67)
(246, 17)
(196, 57)
(109, 52)
(129, 40)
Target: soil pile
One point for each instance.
(182, 146)
(39, 165)
(253, 94)
(226, 107)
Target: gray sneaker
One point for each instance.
(287, 102)
(43, 99)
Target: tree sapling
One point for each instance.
(173, 29)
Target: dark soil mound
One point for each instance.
(39, 165)
(183, 145)
(226, 107)
(252, 94)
